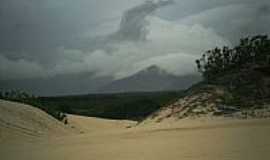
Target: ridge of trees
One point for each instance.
(251, 52)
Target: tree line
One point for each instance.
(251, 52)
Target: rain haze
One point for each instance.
(95, 42)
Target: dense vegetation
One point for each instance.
(244, 70)
(252, 51)
(133, 106)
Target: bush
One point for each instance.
(243, 70)
(251, 51)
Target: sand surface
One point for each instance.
(99, 139)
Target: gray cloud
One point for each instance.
(48, 38)
(133, 23)
(132, 27)
(35, 29)
(235, 20)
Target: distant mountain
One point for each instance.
(152, 78)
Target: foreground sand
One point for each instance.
(99, 139)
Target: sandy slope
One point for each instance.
(20, 122)
(201, 139)
(92, 125)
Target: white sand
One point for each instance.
(201, 139)
(19, 122)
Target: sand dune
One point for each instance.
(201, 139)
(20, 122)
(93, 125)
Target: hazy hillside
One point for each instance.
(152, 78)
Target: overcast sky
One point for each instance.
(119, 37)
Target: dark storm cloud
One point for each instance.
(34, 29)
(133, 23)
(45, 38)
(132, 27)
